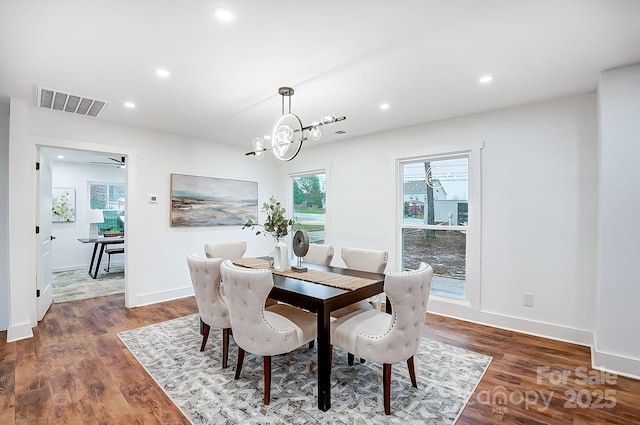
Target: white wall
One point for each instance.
(4, 222)
(534, 158)
(617, 342)
(156, 253)
(67, 253)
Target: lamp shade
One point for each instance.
(95, 216)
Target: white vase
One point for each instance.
(281, 257)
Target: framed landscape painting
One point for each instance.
(211, 201)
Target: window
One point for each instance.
(108, 197)
(435, 220)
(309, 201)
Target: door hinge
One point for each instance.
(37, 293)
(37, 166)
(37, 230)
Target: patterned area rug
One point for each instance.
(73, 285)
(207, 394)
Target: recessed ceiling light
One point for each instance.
(384, 106)
(486, 79)
(223, 14)
(129, 105)
(162, 73)
(60, 156)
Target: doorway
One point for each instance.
(74, 173)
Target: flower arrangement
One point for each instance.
(276, 224)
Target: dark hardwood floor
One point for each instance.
(75, 370)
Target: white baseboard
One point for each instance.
(510, 323)
(18, 332)
(615, 363)
(162, 296)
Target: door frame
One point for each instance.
(130, 159)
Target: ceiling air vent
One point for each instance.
(65, 102)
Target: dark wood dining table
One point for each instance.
(322, 300)
(100, 243)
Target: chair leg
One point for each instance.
(412, 372)
(266, 360)
(386, 377)
(350, 359)
(205, 335)
(240, 360)
(311, 344)
(225, 348)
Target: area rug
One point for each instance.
(74, 285)
(208, 394)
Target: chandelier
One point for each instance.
(289, 133)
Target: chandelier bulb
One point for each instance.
(258, 147)
(328, 118)
(314, 133)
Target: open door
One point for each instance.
(44, 238)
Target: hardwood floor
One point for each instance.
(76, 371)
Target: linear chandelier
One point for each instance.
(289, 133)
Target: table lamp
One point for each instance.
(94, 217)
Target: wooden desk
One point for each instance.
(102, 242)
(322, 300)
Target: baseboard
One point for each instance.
(18, 332)
(162, 296)
(615, 363)
(70, 268)
(510, 323)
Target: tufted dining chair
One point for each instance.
(205, 278)
(226, 250)
(319, 254)
(389, 338)
(265, 331)
(229, 251)
(366, 260)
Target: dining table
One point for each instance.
(321, 290)
(99, 244)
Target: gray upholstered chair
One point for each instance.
(266, 331)
(226, 250)
(205, 278)
(366, 260)
(389, 338)
(319, 254)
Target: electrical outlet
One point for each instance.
(153, 199)
(527, 300)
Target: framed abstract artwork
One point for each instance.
(211, 201)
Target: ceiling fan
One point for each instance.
(116, 162)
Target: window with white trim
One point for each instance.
(309, 204)
(435, 220)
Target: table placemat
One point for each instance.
(336, 280)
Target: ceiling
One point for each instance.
(422, 57)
